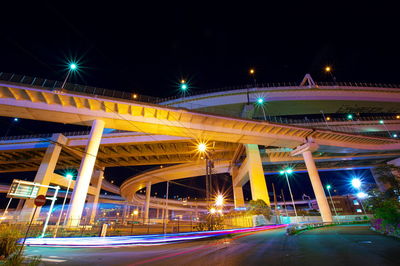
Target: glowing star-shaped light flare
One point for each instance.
(219, 200)
(202, 147)
(356, 183)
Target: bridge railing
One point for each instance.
(317, 123)
(279, 84)
(70, 87)
(54, 85)
(47, 136)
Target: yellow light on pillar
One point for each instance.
(202, 147)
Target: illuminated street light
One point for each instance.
(16, 119)
(328, 187)
(328, 69)
(219, 200)
(356, 183)
(71, 68)
(286, 172)
(349, 117)
(135, 212)
(213, 210)
(184, 87)
(68, 176)
(252, 73)
(361, 195)
(202, 147)
(260, 101)
(381, 122)
(394, 135)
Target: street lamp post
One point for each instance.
(260, 102)
(252, 73)
(328, 69)
(328, 187)
(356, 183)
(69, 177)
(166, 209)
(286, 172)
(71, 68)
(183, 87)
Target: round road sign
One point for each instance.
(40, 200)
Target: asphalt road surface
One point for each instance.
(339, 245)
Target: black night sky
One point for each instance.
(148, 48)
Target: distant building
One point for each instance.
(348, 204)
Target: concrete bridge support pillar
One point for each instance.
(256, 174)
(238, 196)
(44, 174)
(147, 204)
(306, 151)
(97, 179)
(85, 173)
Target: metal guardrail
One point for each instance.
(284, 84)
(46, 136)
(274, 119)
(53, 85)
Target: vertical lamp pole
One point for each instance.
(71, 68)
(184, 87)
(328, 187)
(69, 177)
(286, 172)
(53, 200)
(166, 210)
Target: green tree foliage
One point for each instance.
(259, 207)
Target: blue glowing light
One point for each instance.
(184, 86)
(349, 116)
(361, 195)
(260, 100)
(16, 119)
(73, 66)
(356, 183)
(69, 176)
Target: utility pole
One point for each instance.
(284, 203)
(276, 209)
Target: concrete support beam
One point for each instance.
(306, 151)
(147, 204)
(238, 196)
(256, 174)
(44, 174)
(85, 173)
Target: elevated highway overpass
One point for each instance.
(54, 105)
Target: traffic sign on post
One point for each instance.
(40, 200)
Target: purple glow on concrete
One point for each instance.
(120, 241)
